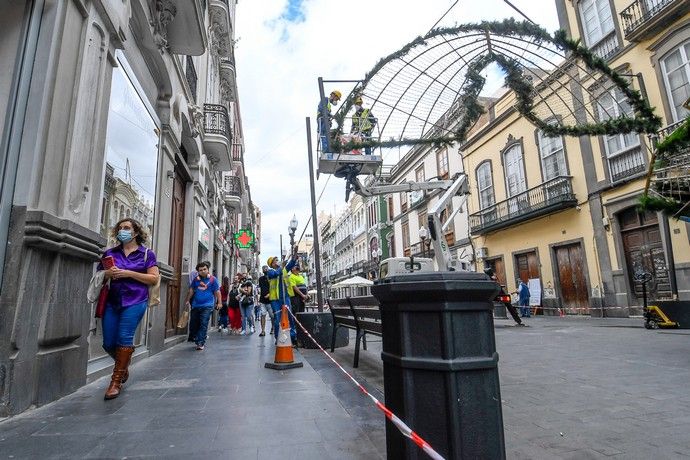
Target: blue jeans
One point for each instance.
(247, 312)
(525, 311)
(277, 305)
(200, 316)
(120, 324)
(223, 317)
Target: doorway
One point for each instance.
(499, 268)
(570, 260)
(644, 252)
(527, 266)
(176, 249)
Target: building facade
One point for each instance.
(409, 211)
(109, 110)
(563, 211)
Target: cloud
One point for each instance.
(286, 45)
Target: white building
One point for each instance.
(120, 104)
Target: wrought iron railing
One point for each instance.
(606, 47)
(664, 132)
(216, 120)
(422, 250)
(627, 164)
(232, 185)
(548, 197)
(192, 78)
(640, 12)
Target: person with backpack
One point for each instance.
(203, 294)
(246, 299)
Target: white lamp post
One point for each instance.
(423, 234)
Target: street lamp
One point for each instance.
(423, 233)
(292, 229)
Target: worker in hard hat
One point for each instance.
(324, 125)
(278, 291)
(363, 122)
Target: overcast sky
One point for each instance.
(285, 45)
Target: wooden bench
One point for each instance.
(360, 314)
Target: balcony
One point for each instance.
(606, 47)
(191, 77)
(228, 79)
(628, 164)
(232, 192)
(221, 28)
(419, 250)
(183, 21)
(551, 196)
(217, 136)
(344, 243)
(644, 18)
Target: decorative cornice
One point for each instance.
(45, 231)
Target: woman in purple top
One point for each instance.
(133, 272)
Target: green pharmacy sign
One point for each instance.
(244, 238)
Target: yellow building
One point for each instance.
(564, 210)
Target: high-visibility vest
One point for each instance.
(275, 291)
(361, 121)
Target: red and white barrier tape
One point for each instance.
(404, 429)
(579, 310)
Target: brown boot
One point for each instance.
(122, 357)
(125, 375)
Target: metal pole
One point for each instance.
(314, 223)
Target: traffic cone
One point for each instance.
(284, 358)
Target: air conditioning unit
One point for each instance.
(481, 253)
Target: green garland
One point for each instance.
(668, 206)
(645, 120)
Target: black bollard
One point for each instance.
(440, 365)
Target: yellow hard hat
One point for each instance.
(337, 94)
(358, 100)
(270, 260)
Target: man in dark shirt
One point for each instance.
(264, 301)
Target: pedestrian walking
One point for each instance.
(265, 301)
(246, 299)
(509, 306)
(277, 278)
(132, 270)
(234, 313)
(523, 299)
(223, 317)
(203, 294)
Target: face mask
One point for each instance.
(358, 107)
(124, 236)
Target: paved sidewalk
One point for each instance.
(218, 403)
(581, 388)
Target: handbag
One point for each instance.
(102, 300)
(154, 289)
(184, 319)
